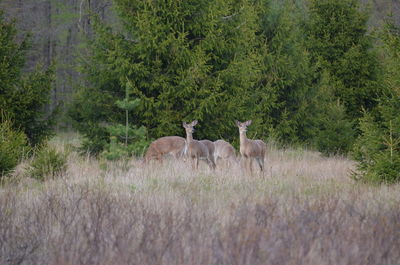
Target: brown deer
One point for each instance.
(173, 145)
(250, 149)
(196, 150)
(224, 151)
(211, 148)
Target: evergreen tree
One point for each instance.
(378, 148)
(186, 60)
(287, 73)
(330, 130)
(217, 61)
(126, 140)
(339, 44)
(23, 96)
(13, 145)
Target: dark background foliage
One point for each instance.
(320, 74)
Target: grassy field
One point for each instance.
(305, 209)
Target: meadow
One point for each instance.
(304, 209)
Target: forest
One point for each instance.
(318, 74)
(107, 107)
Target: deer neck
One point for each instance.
(189, 137)
(243, 138)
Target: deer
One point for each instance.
(224, 151)
(211, 148)
(250, 149)
(173, 145)
(196, 150)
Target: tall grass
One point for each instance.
(305, 209)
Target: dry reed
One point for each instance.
(305, 209)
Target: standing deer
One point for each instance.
(224, 151)
(250, 149)
(211, 148)
(196, 150)
(173, 145)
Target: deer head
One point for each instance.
(243, 125)
(189, 127)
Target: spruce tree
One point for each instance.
(186, 60)
(330, 129)
(23, 96)
(339, 43)
(377, 150)
(286, 72)
(13, 145)
(125, 139)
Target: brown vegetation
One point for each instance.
(305, 210)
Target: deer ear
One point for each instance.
(248, 122)
(237, 123)
(184, 124)
(194, 122)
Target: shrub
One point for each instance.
(48, 162)
(13, 146)
(377, 150)
(116, 150)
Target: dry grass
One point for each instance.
(304, 210)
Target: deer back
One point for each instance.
(210, 146)
(166, 145)
(197, 149)
(252, 148)
(223, 149)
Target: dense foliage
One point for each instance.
(305, 72)
(299, 77)
(47, 163)
(126, 140)
(23, 96)
(378, 147)
(13, 146)
(185, 60)
(338, 44)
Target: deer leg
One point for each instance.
(197, 163)
(225, 163)
(184, 156)
(222, 163)
(260, 163)
(208, 161)
(159, 157)
(192, 162)
(251, 165)
(211, 162)
(244, 163)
